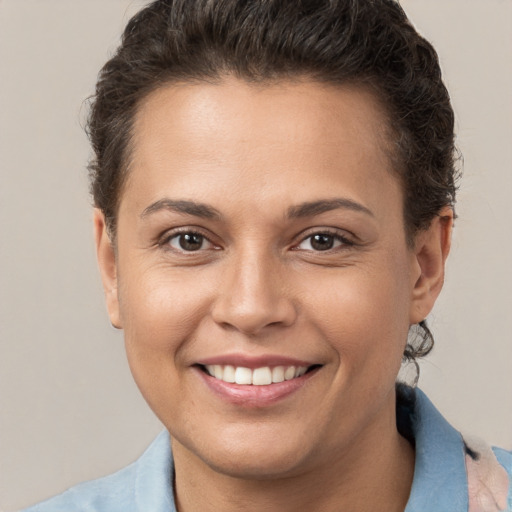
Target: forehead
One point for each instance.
(239, 112)
(279, 136)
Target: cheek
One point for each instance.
(364, 314)
(160, 315)
(158, 308)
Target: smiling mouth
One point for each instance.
(262, 376)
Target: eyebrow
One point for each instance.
(182, 206)
(308, 209)
(312, 208)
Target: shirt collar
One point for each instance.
(154, 477)
(440, 480)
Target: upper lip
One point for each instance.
(253, 362)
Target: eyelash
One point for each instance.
(344, 241)
(165, 241)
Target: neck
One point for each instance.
(367, 476)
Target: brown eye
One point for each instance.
(189, 242)
(322, 242)
(319, 242)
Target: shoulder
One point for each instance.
(453, 471)
(146, 482)
(112, 493)
(489, 472)
(504, 457)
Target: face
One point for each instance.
(262, 275)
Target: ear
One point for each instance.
(430, 252)
(106, 256)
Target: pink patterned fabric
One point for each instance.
(488, 481)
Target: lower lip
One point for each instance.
(255, 396)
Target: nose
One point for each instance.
(253, 296)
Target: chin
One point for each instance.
(245, 467)
(255, 454)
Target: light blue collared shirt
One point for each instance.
(440, 478)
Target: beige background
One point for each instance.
(68, 408)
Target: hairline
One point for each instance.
(388, 138)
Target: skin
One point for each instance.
(258, 287)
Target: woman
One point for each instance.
(274, 186)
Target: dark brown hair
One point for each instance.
(366, 42)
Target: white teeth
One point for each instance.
(217, 371)
(262, 376)
(300, 371)
(229, 373)
(258, 377)
(243, 375)
(278, 374)
(289, 373)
